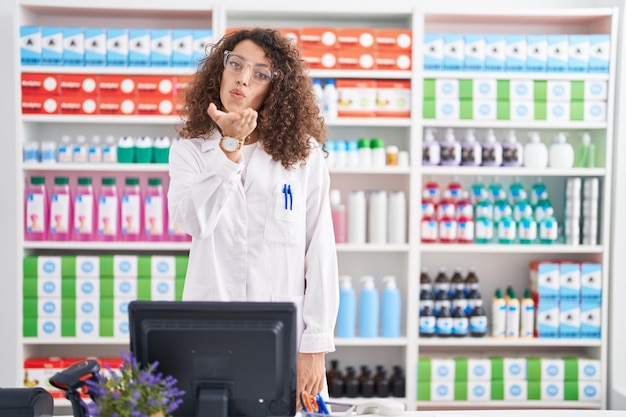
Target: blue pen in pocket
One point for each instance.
(285, 194)
(290, 197)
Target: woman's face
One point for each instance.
(240, 90)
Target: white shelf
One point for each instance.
(377, 171)
(505, 343)
(506, 248)
(369, 342)
(583, 76)
(105, 341)
(512, 171)
(108, 70)
(362, 74)
(117, 245)
(96, 167)
(514, 124)
(539, 404)
(101, 119)
(370, 247)
(369, 121)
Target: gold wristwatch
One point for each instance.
(230, 144)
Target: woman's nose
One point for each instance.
(244, 76)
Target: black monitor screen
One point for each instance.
(230, 358)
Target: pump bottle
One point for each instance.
(561, 153)
(368, 308)
(430, 148)
(346, 318)
(338, 213)
(391, 308)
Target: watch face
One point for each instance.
(229, 144)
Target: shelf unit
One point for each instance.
(404, 261)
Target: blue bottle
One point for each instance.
(390, 308)
(346, 318)
(368, 308)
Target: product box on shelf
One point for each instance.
(359, 38)
(318, 37)
(83, 84)
(155, 106)
(160, 47)
(319, 58)
(202, 38)
(547, 318)
(393, 98)
(590, 319)
(355, 59)
(95, 47)
(182, 48)
(544, 280)
(51, 45)
(516, 56)
(599, 52)
(37, 373)
(433, 51)
(570, 281)
(116, 105)
(78, 104)
(591, 281)
(558, 53)
(536, 52)
(117, 47)
(392, 60)
(474, 54)
(30, 45)
(495, 52)
(139, 42)
(578, 58)
(357, 98)
(293, 34)
(39, 83)
(393, 39)
(569, 320)
(118, 85)
(73, 46)
(453, 51)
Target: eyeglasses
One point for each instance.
(261, 73)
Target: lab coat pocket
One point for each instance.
(284, 223)
(298, 300)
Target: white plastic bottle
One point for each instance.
(450, 149)
(512, 316)
(331, 99)
(536, 152)
(65, 149)
(491, 150)
(369, 306)
(109, 150)
(471, 151)
(498, 315)
(396, 216)
(318, 90)
(357, 219)
(390, 308)
(377, 217)
(561, 153)
(95, 149)
(81, 150)
(431, 151)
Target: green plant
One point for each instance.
(132, 391)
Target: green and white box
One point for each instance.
(162, 266)
(478, 369)
(442, 391)
(87, 328)
(47, 267)
(478, 390)
(559, 90)
(88, 266)
(163, 289)
(442, 369)
(88, 308)
(485, 88)
(484, 109)
(447, 109)
(522, 110)
(49, 328)
(446, 88)
(586, 390)
(594, 111)
(125, 288)
(552, 369)
(47, 307)
(521, 89)
(120, 307)
(87, 287)
(515, 390)
(515, 369)
(589, 370)
(121, 328)
(552, 390)
(558, 111)
(596, 90)
(125, 266)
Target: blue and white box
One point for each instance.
(182, 48)
(484, 109)
(570, 281)
(49, 267)
(559, 90)
(516, 53)
(161, 48)
(88, 266)
(442, 369)
(589, 369)
(485, 88)
(125, 288)
(474, 52)
(536, 53)
(73, 46)
(125, 266)
(545, 280)
(95, 47)
(433, 51)
(163, 289)
(591, 281)
(87, 287)
(495, 52)
(552, 390)
(590, 319)
(202, 40)
(448, 109)
(548, 317)
(599, 52)
(446, 88)
(515, 368)
(595, 111)
(51, 45)
(558, 53)
(578, 53)
(442, 391)
(478, 390)
(453, 52)
(596, 90)
(589, 391)
(569, 321)
(478, 369)
(88, 307)
(48, 307)
(87, 328)
(162, 266)
(138, 47)
(30, 45)
(515, 390)
(552, 369)
(521, 89)
(117, 47)
(558, 111)
(522, 109)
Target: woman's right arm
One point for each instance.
(202, 179)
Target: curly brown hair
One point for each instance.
(289, 116)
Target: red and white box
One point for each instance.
(356, 38)
(155, 86)
(292, 34)
(357, 98)
(39, 83)
(393, 60)
(320, 58)
(78, 104)
(37, 373)
(121, 85)
(117, 105)
(394, 39)
(393, 98)
(356, 59)
(155, 106)
(40, 104)
(85, 84)
(318, 37)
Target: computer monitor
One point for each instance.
(230, 358)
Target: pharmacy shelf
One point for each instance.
(370, 247)
(108, 70)
(514, 124)
(100, 118)
(117, 246)
(369, 121)
(362, 74)
(538, 404)
(561, 76)
(377, 171)
(110, 341)
(505, 343)
(94, 167)
(512, 171)
(508, 248)
(370, 342)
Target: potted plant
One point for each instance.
(132, 391)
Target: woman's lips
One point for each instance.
(235, 92)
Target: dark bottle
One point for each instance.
(351, 383)
(442, 282)
(427, 299)
(442, 300)
(473, 299)
(426, 283)
(478, 321)
(336, 388)
(460, 322)
(368, 387)
(471, 281)
(398, 386)
(333, 372)
(457, 282)
(444, 323)
(377, 375)
(382, 385)
(428, 323)
(459, 300)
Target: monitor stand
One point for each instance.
(212, 402)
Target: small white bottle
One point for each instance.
(109, 150)
(377, 217)
(431, 151)
(357, 220)
(331, 99)
(536, 152)
(318, 90)
(66, 150)
(95, 149)
(48, 152)
(561, 153)
(512, 316)
(81, 151)
(396, 212)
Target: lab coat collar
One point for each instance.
(258, 158)
(211, 142)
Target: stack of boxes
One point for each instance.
(494, 98)
(509, 379)
(582, 205)
(568, 299)
(374, 98)
(88, 296)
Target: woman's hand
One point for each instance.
(238, 125)
(311, 374)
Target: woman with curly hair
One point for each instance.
(250, 185)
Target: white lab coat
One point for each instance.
(245, 245)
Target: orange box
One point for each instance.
(182, 83)
(393, 60)
(117, 105)
(38, 83)
(397, 39)
(320, 58)
(117, 85)
(78, 104)
(393, 98)
(40, 104)
(356, 59)
(78, 84)
(155, 106)
(292, 34)
(355, 38)
(318, 37)
(357, 98)
(155, 85)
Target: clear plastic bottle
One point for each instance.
(65, 151)
(330, 99)
(390, 308)
(84, 210)
(131, 221)
(108, 211)
(95, 149)
(346, 317)
(60, 210)
(154, 211)
(81, 150)
(36, 210)
(318, 90)
(109, 150)
(368, 308)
